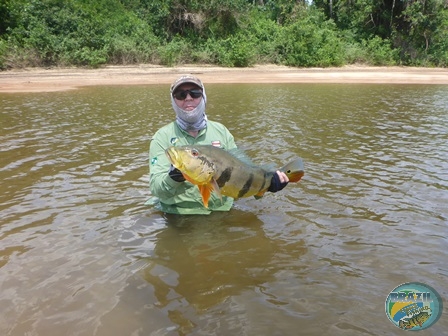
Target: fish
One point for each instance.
(213, 169)
(416, 320)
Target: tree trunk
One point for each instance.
(392, 14)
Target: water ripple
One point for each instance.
(80, 250)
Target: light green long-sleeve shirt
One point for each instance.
(184, 197)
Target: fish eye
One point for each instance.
(194, 152)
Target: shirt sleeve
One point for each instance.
(160, 184)
(230, 141)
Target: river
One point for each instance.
(81, 253)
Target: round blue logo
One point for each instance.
(414, 306)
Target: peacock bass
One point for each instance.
(214, 169)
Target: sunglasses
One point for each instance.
(181, 95)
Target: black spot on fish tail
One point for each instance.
(246, 186)
(225, 177)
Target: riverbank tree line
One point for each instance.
(232, 33)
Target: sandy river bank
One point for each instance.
(59, 79)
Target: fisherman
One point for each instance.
(191, 127)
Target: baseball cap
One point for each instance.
(186, 79)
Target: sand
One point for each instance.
(61, 79)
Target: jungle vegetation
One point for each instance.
(232, 33)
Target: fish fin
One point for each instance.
(260, 194)
(242, 156)
(205, 190)
(294, 170)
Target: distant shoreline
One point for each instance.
(62, 79)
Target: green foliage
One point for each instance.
(265, 34)
(3, 54)
(311, 41)
(174, 52)
(234, 33)
(379, 51)
(375, 51)
(235, 51)
(131, 42)
(411, 28)
(423, 37)
(438, 50)
(79, 33)
(4, 17)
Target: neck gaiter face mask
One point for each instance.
(194, 120)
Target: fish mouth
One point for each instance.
(171, 154)
(168, 154)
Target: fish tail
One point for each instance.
(294, 170)
(295, 177)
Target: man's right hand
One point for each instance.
(176, 174)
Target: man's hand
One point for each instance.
(278, 182)
(176, 174)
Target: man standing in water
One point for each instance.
(191, 127)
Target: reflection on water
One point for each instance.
(198, 265)
(81, 252)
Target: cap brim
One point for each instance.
(184, 80)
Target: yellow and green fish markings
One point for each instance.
(416, 320)
(214, 169)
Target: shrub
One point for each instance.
(311, 41)
(379, 51)
(438, 49)
(234, 51)
(265, 34)
(3, 54)
(175, 52)
(139, 47)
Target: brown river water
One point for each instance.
(81, 253)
